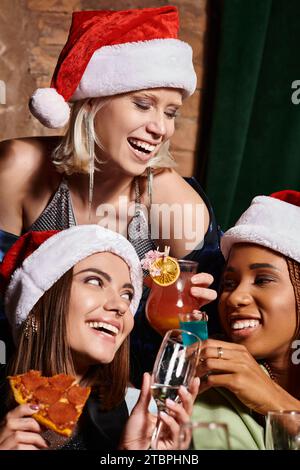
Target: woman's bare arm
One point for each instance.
(27, 179)
(181, 217)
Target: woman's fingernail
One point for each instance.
(183, 389)
(170, 402)
(34, 407)
(194, 290)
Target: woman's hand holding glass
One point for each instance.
(141, 423)
(175, 366)
(200, 289)
(230, 365)
(188, 293)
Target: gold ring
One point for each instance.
(220, 352)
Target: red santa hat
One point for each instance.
(38, 259)
(111, 52)
(271, 221)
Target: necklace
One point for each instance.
(269, 370)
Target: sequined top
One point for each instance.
(59, 215)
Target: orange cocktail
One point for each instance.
(166, 302)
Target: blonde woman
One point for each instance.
(125, 74)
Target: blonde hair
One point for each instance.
(72, 154)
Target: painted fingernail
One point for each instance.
(34, 407)
(170, 402)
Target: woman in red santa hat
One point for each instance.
(256, 369)
(125, 75)
(70, 298)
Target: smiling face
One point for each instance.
(99, 318)
(132, 127)
(257, 305)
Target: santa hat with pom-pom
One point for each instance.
(112, 52)
(38, 259)
(271, 221)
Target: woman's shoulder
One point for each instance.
(26, 154)
(170, 187)
(184, 213)
(27, 174)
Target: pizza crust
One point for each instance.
(60, 399)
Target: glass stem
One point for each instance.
(155, 434)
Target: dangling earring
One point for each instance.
(91, 152)
(30, 326)
(149, 185)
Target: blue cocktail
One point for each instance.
(195, 323)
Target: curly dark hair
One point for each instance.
(294, 271)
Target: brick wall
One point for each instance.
(32, 34)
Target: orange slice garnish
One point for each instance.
(168, 269)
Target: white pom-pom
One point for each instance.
(49, 107)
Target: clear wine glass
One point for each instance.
(283, 430)
(198, 435)
(175, 365)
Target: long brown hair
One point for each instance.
(47, 348)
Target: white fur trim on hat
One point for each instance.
(49, 107)
(139, 65)
(269, 222)
(56, 256)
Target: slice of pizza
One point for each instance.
(60, 399)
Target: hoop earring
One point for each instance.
(30, 326)
(91, 152)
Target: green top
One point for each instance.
(220, 405)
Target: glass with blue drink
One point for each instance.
(195, 322)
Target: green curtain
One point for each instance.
(254, 145)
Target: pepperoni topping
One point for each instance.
(48, 395)
(78, 395)
(61, 381)
(32, 380)
(62, 413)
(60, 401)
